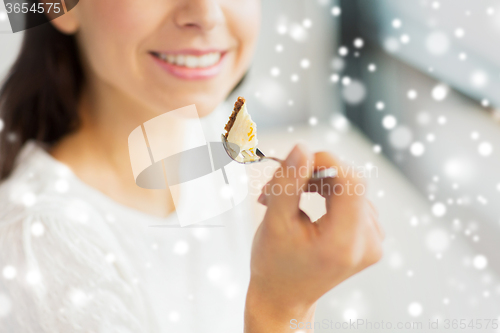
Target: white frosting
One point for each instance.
(244, 131)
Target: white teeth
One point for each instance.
(204, 61)
(180, 60)
(192, 61)
(216, 57)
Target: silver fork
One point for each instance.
(243, 157)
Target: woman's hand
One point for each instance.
(294, 262)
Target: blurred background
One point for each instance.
(410, 88)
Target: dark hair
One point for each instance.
(39, 98)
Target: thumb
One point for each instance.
(282, 195)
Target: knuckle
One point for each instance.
(347, 256)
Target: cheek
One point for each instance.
(244, 23)
(111, 33)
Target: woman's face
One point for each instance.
(168, 54)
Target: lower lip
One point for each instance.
(187, 73)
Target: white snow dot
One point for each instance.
(414, 221)
(313, 121)
(396, 23)
(335, 78)
(431, 137)
(354, 93)
(389, 122)
(417, 149)
(372, 67)
(37, 229)
(29, 199)
(279, 48)
(437, 240)
(439, 209)
(305, 63)
(343, 51)
(346, 80)
(440, 92)
(9, 272)
(405, 39)
(490, 11)
(294, 78)
(33, 277)
(377, 149)
(282, 29)
(110, 258)
(201, 234)
(442, 120)
(350, 314)
(446, 301)
(480, 262)
(409, 273)
(474, 135)
(437, 43)
(62, 185)
(275, 71)
(436, 5)
(485, 103)
(423, 118)
(307, 23)
(359, 43)
(339, 122)
(462, 56)
(181, 247)
(78, 297)
(459, 32)
(338, 64)
(395, 260)
(415, 309)
(380, 105)
(412, 94)
(391, 45)
(336, 11)
(485, 148)
(174, 316)
(479, 79)
(401, 137)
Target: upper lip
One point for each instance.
(194, 52)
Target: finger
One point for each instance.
(284, 190)
(344, 191)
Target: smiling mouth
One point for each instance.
(190, 61)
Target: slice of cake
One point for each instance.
(240, 129)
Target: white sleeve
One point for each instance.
(63, 274)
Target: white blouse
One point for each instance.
(74, 260)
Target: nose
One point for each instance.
(199, 14)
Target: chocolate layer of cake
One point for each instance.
(237, 107)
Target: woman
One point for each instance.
(77, 254)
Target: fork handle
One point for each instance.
(321, 174)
